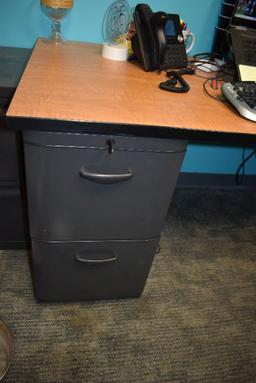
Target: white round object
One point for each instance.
(118, 52)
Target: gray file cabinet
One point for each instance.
(97, 205)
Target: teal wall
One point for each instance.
(22, 22)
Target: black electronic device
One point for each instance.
(158, 42)
(244, 14)
(243, 36)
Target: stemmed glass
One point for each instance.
(56, 10)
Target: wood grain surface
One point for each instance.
(73, 82)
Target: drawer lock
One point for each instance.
(110, 144)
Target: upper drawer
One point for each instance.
(99, 187)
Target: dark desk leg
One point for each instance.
(13, 223)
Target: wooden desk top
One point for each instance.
(73, 83)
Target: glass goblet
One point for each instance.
(56, 10)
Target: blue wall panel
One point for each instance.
(216, 159)
(22, 22)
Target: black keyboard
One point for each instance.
(242, 95)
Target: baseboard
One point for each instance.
(214, 180)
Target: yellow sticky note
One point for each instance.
(247, 72)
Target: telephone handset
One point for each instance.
(158, 42)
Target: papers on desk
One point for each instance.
(247, 72)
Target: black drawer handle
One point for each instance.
(105, 178)
(96, 261)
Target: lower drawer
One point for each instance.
(73, 271)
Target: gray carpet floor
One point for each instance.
(195, 322)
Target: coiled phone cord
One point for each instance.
(176, 82)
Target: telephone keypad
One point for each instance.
(175, 56)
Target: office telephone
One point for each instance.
(158, 42)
